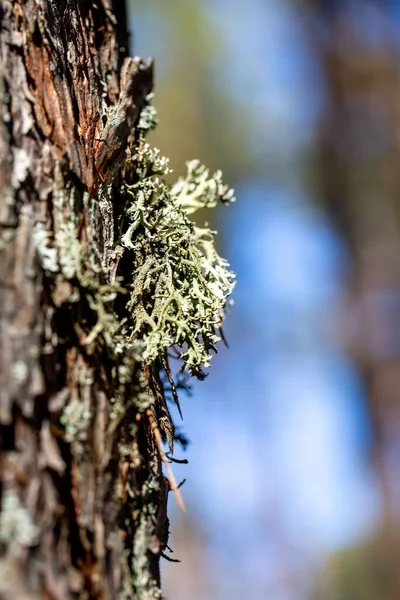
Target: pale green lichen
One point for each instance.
(181, 284)
(47, 253)
(19, 371)
(75, 418)
(61, 252)
(200, 190)
(144, 586)
(148, 117)
(16, 525)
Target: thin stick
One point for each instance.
(171, 479)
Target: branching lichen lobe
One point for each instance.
(103, 274)
(181, 284)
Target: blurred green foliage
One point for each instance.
(200, 118)
(358, 572)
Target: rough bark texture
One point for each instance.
(103, 278)
(82, 490)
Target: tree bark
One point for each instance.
(103, 279)
(82, 491)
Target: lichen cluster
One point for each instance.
(16, 524)
(180, 283)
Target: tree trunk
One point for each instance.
(82, 491)
(103, 278)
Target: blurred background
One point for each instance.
(293, 484)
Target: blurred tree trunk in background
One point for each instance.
(81, 487)
(359, 178)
